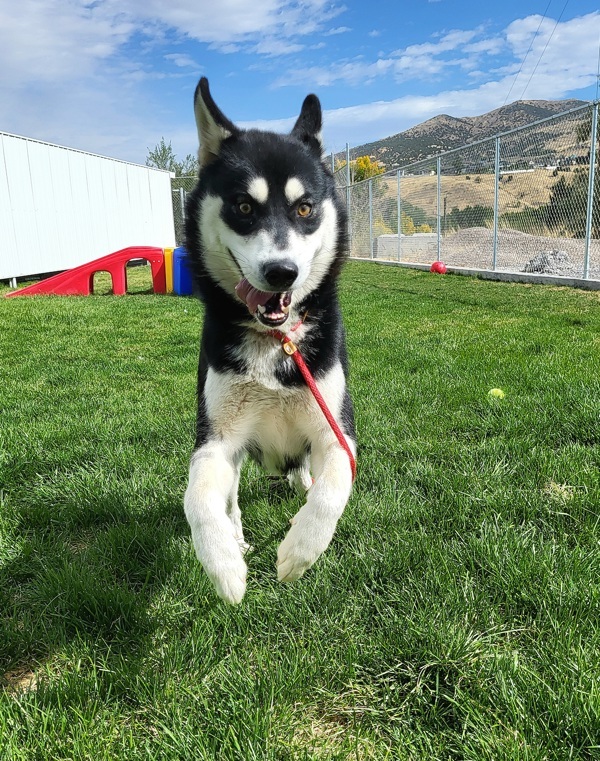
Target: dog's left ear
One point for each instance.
(309, 123)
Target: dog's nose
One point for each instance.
(280, 274)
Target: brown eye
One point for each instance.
(304, 209)
(245, 208)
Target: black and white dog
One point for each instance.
(266, 237)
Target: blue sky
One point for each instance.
(114, 76)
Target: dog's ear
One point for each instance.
(213, 125)
(308, 124)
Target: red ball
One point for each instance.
(438, 267)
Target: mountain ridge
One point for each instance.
(444, 132)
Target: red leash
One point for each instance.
(291, 350)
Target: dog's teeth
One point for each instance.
(285, 310)
(261, 309)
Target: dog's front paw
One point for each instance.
(222, 560)
(230, 582)
(307, 539)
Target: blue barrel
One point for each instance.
(182, 276)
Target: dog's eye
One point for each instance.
(304, 209)
(245, 208)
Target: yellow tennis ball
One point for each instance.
(496, 393)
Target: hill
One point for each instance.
(443, 133)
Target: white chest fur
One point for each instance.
(256, 410)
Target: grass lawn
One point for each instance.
(456, 614)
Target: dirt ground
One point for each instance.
(473, 248)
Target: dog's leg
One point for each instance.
(314, 524)
(233, 509)
(300, 478)
(213, 474)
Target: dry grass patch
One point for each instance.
(20, 680)
(524, 190)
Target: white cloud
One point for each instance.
(228, 48)
(492, 46)
(273, 47)
(182, 60)
(449, 41)
(359, 72)
(564, 53)
(272, 125)
(79, 68)
(50, 40)
(352, 72)
(421, 61)
(234, 20)
(64, 40)
(338, 30)
(102, 124)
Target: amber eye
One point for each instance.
(304, 209)
(245, 208)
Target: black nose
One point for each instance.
(280, 274)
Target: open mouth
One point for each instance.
(269, 308)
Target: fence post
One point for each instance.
(371, 218)
(496, 202)
(439, 210)
(348, 180)
(348, 196)
(399, 214)
(590, 199)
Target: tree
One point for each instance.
(362, 168)
(162, 156)
(407, 226)
(457, 165)
(469, 216)
(567, 208)
(583, 131)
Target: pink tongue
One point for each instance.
(251, 295)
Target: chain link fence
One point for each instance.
(524, 201)
(180, 187)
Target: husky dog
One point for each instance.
(265, 234)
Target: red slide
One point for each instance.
(79, 281)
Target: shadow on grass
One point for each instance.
(102, 561)
(88, 576)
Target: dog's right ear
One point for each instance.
(213, 125)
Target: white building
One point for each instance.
(61, 207)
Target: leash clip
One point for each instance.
(289, 347)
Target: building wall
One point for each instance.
(60, 207)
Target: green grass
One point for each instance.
(456, 614)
